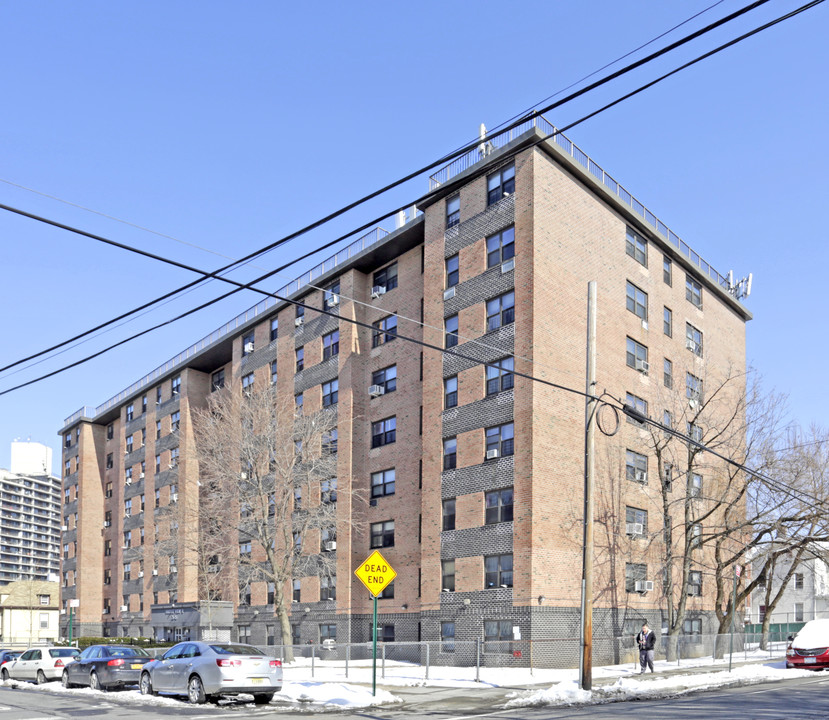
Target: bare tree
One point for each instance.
(268, 473)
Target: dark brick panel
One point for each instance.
(472, 542)
(316, 374)
(487, 348)
(483, 287)
(478, 478)
(492, 220)
(492, 410)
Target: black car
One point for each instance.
(106, 666)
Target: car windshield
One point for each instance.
(236, 650)
(64, 652)
(126, 652)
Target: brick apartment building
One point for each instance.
(473, 475)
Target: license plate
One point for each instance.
(257, 681)
(136, 666)
(810, 660)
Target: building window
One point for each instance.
(382, 483)
(450, 453)
(668, 476)
(383, 432)
(300, 359)
(328, 632)
(636, 466)
(498, 504)
(299, 401)
(296, 591)
(447, 572)
(450, 325)
(636, 355)
(129, 444)
(385, 378)
(330, 393)
(693, 292)
(499, 375)
(452, 271)
(144, 405)
(693, 387)
(127, 539)
(762, 613)
(668, 373)
(798, 581)
(274, 328)
(500, 247)
(382, 534)
(128, 507)
(447, 637)
(108, 490)
(244, 633)
(693, 339)
(640, 405)
(217, 380)
(274, 373)
(329, 441)
(385, 330)
(175, 385)
(636, 521)
(695, 535)
(667, 322)
(330, 345)
(174, 457)
(328, 588)
(387, 277)
(501, 439)
(448, 514)
(500, 184)
(109, 463)
(637, 300)
(634, 573)
(248, 343)
(695, 583)
(130, 412)
(110, 431)
(694, 432)
(637, 247)
(692, 626)
(247, 383)
(107, 576)
(158, 395)
(127, 571)
(328, 491)
(695, 487)
(331, 295)
(450, 392)
(798, 612)
(175, 421)
(498, 571)
(453, 211)
(667, 270)
(497, 636)
(500, 311)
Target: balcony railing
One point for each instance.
(498, 140)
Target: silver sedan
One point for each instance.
(205, 671)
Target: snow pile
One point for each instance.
(339, 694)
(634, 688)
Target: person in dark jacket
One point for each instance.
(645, 640)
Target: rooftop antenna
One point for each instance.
(485, 148)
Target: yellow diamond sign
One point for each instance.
(375, 573)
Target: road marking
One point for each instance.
(497, 712)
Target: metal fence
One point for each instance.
(469, 660)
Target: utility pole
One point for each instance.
(591, 405)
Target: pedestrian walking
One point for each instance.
(645, 640)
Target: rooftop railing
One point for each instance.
(363, 242)
(499, 140)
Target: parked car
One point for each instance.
(6, 655)
(106, 666)
(39, 664)
(809, 649)
(204, 671)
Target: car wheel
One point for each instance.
(95, 682)
(64, 680)
(146, 685)
(5, 674)
(262, 698)
(41, 677)
(195, 691)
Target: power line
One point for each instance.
(410, 176)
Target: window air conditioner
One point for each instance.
(155, 572)
(508, 265)
(174, 569)
(64, 528)
(690, 344)
(330, 545)
(140, 573)
(175, 392)
(124, 608)
(377, 291)
(107, 523)
(635, 528)
(332, 300)
(174, 497)
(449, 293)
(106, 611)
(376, 390)
(641, 366)
(248, 347)
(128, 481)
(490, 454)
(644, 586)
(298, 321)
(63, 611)
(640, 475)
(140, 476)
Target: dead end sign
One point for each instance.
(375, 573)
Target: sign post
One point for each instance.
(376, 574)
(73, 603)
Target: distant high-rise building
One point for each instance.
(30, 521)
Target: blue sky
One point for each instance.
(229, 125)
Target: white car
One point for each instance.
(39, 664)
